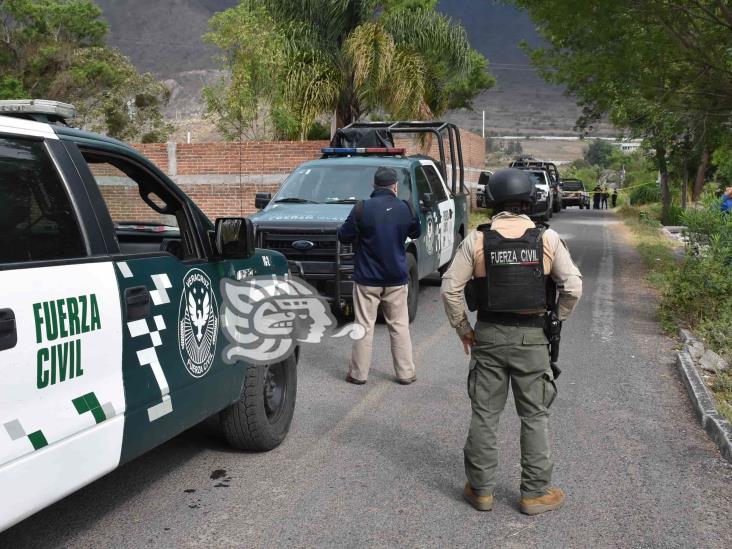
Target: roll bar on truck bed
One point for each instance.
(436, 128)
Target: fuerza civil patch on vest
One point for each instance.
(529, 256)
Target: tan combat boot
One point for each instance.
(481, 503)
(552, 499)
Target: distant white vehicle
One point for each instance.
(543, 209)
(480, 196)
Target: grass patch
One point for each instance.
(656, 250)
(696, 291)
(722, 388)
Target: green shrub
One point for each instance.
(647, 217)
(709, 229)
(699, 292)
(675, 215)
(645, 194)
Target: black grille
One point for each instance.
(324, 246)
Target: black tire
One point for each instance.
(260, 419)
(413, 286)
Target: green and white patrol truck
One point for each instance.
(302, 218)
(110, 333)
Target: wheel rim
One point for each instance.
(275, 390)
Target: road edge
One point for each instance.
(716, 426)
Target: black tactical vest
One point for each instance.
(515, 279)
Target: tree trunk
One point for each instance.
(665, 191)
(700, 175)
(685, 185)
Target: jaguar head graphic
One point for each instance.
(264, 318)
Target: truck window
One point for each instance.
(573, 186)
(438, 189)
(423, 184)
(147, 218)
(539, 178)
(37, 220)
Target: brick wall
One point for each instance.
(209, 172)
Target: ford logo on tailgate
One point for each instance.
(303, 245)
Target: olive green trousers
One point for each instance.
(519, 355)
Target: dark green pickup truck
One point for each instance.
(112, 333)
(302, 218)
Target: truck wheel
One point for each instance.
(261, 418)
(413, 286)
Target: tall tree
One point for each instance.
(350, 58)
(658, 67)
(54, 49)
(241, 101)
(617, 61)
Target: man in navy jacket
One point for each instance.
(378, 228)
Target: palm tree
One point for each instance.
(354, 57)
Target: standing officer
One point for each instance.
(615, 197)
(510, 261)
(379, 227)
(596, 196)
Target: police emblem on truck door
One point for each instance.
(198, 319)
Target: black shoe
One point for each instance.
(355, 381)
(407, 381)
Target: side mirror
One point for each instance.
(426, 202)
(261, 200)
(234, 237)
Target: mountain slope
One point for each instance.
(164, 37)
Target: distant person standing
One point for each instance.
(596, 192)
(604, 197)
(378, 228)
(615, 197)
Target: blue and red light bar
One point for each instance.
(363, 150)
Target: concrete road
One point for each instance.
(381, 464)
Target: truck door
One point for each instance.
(446, 206)
(428, 249)
(61, 396)
(174, 376)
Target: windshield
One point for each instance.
(573, 186)
(538, 178)
(335, 184)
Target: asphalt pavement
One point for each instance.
(381, 464)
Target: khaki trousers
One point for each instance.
(519, 356)
(393, 300)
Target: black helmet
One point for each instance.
(510, 185)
